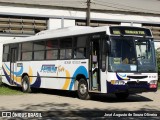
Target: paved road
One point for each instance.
(52, 100)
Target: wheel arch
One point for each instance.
(24, 74)
(78, 77)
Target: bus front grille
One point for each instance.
(137, 84)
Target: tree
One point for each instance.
(158, 61)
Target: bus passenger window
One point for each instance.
(68, 53)
(52, 54)
(66, 43)
(5, 57)
(66, 48)
(52, 44)
(80, 47)
(40, 45)
(6, 49)
(39, 55)
(80, 41)
(62, 54)
(27, 46)
(6, 53)
(79, 53)
(65, 53)
(26, 55)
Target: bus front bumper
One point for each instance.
(131, 87)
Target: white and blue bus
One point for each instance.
(110, 59)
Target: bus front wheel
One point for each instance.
(122, 95)
(25, 84)
(83, 89)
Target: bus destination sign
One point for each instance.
(130, 31)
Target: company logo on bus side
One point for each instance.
(49, 68)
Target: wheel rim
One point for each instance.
(83, 89)
(25, 86)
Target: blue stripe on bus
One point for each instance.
(15, 73)
(9, 79)
(80, 70)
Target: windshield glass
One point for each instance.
(145, 54)
(131, 54)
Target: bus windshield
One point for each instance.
(132, 54)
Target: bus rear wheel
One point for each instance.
(25, 84)
(122, 95)
(83, 89)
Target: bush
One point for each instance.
(158, 63)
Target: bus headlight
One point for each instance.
(117, 82)
(153, 84)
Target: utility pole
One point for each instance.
(88, 12)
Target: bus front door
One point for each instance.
(13, 65)
(94, 65)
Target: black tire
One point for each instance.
(26, 84)
(83, 89)
(122, 95)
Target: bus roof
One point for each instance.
(70, 31)
(63, 32)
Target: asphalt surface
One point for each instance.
(66, 104)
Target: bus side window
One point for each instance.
(27, 49)
(52, 47)
(39, 50)
(62, 54)
(26, 56)
(6, 53)
(80, 47)
(19, 52)
(28, 46)
(52, 54)
(66, 48)
(79, 53)
(52, 44)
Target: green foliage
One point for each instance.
(7, 90)
(0, 80)
(158, 60)
(158, 63)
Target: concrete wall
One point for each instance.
(66, 18)
(60, 23)
(1, 52)
(71, 14)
